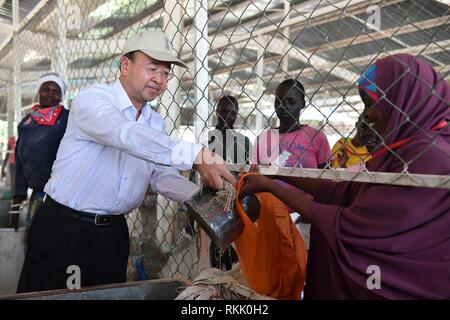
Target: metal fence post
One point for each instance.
(17, 56)
(201, 80)
(61, 60)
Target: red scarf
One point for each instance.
(402, 142)
(46, 116)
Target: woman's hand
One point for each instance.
(253, 169)
(256, 183)
(342, 158)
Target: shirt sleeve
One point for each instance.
(169, 183)
(260, 149)
(100, 121)
(21, 185)
(338, 193)
(324, 152)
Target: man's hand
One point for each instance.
(212, 169)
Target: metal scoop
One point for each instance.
(215, 213)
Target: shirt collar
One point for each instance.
(125, 102)
(146, 111)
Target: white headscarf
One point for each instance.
(54, 77)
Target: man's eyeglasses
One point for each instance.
(151, 69)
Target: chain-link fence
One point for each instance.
(244, 49)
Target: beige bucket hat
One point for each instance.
(154, 44)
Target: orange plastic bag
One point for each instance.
(271, 251)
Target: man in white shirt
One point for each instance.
(115, 145)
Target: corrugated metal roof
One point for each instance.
(25, 6)
(341, 36)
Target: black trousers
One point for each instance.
(57, 240)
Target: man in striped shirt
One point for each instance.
(115, 145)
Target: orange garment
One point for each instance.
(271, 251)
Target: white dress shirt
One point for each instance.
(107, 158)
